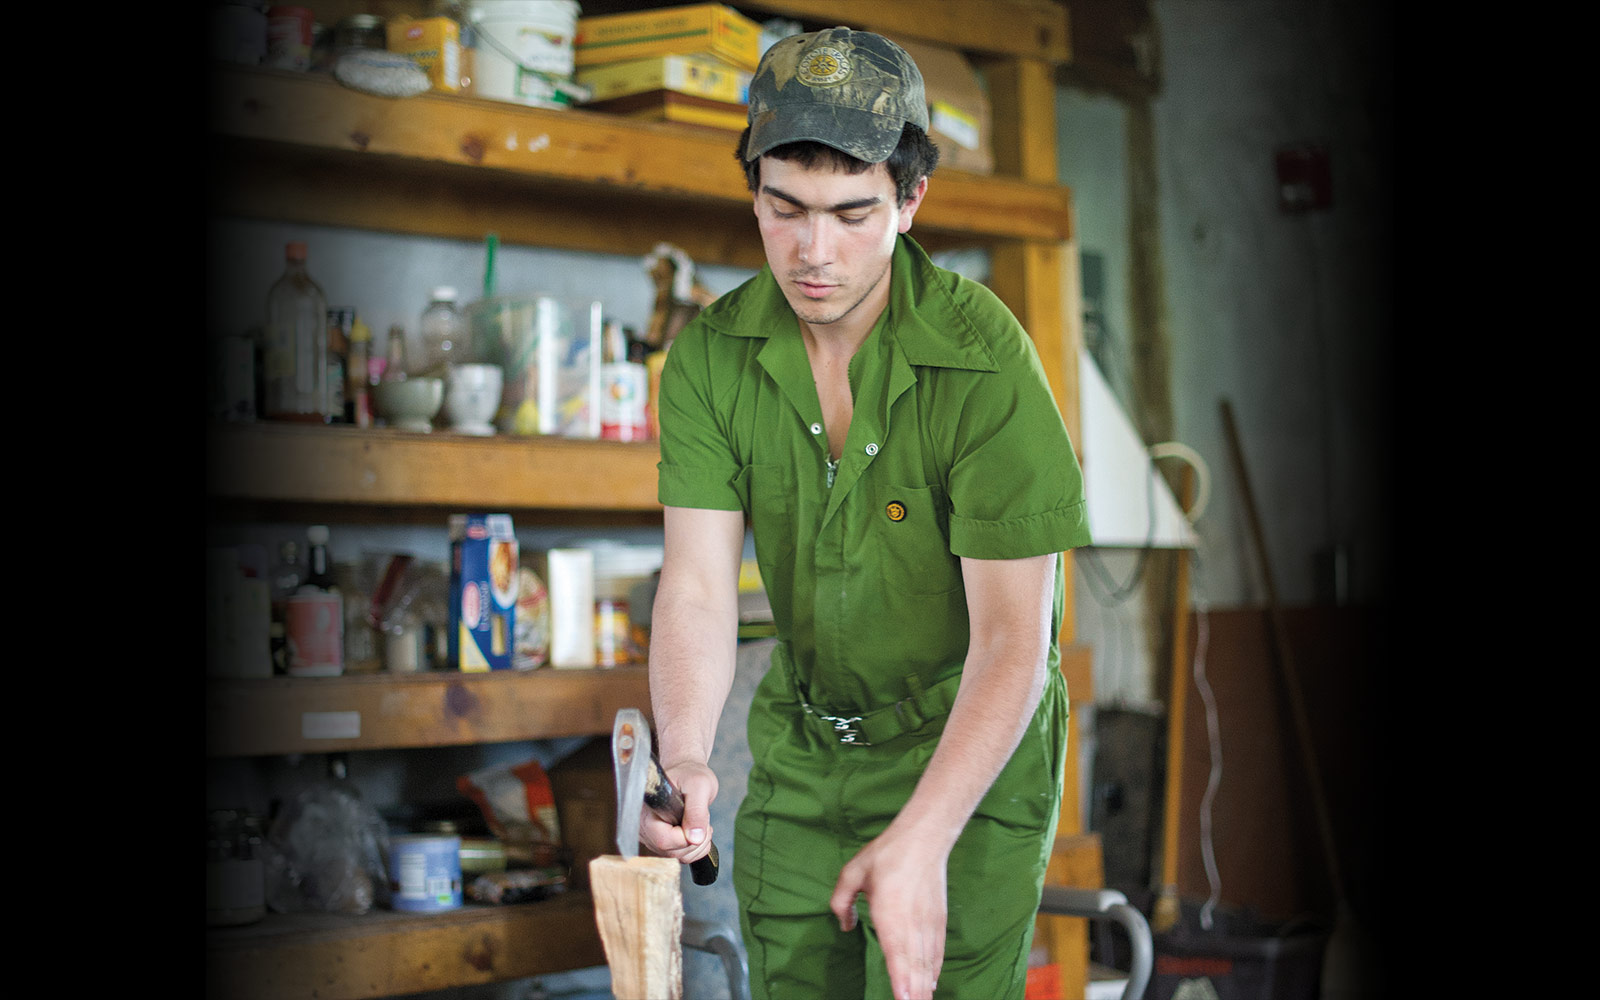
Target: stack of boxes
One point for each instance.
(687, 64)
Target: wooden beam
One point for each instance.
(638, 905)
(1075, 860)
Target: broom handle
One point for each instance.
(1176, 707)
(1286, 665)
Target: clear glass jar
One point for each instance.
(444, 335)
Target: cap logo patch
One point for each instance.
(824, 66)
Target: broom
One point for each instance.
(1346, 941)
(1165, 914)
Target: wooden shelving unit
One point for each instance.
(301, 148)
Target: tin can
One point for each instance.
(425, 872)
(313, 629)
(289, 38)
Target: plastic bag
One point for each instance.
(519, 806)
(327, 851)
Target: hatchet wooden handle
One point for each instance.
(664, 799)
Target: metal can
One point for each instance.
(289, 38)
(359, 31)
(425, 872)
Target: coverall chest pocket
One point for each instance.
(910, 533)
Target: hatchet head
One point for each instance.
(630, 754)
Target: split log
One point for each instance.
(638, 905)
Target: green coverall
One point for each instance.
(956, 448)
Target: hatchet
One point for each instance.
(641, 783)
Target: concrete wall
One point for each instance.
(1286, 316)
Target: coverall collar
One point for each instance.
(929, 325)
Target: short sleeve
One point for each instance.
(1016, 489)
(698, 467)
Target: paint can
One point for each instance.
(524, 50)
(425, 872)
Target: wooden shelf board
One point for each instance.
(558, 156)
(377, 466)
(355, 956)
(284, 715)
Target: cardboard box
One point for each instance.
(434, 43)
(671, 106)
(710, 29)
(549, 350)
(568, 575)
(483, 591)
(696, 76)
(958, 107)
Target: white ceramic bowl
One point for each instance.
(471, 397)
(409, 404)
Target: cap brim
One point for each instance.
(863, 134)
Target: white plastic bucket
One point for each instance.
(522, 48)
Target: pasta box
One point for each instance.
(483, 591)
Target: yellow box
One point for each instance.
(434, 43)
(697, 76)
(698, 29)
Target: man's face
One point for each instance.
(829, 237)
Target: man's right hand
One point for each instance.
(691, 841)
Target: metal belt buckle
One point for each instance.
(845, 729)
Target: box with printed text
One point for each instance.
(483, 591)
(696, 76)
(707, 28)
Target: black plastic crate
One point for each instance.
(1238, 958)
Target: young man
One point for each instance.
(886, 430)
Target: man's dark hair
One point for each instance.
(913, 159)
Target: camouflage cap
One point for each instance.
(851, 90)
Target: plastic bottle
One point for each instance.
(314, 617)
(358, 384)
(297, 344)
(624, 388)
(444, 335)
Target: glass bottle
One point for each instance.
(297, 344)
(394, 369)
(282, 583)
(358, 387)
(341, 323)
(444, 335)
(319, 569)
(314, 616)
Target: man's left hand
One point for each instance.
(903, 878)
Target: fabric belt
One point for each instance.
(884, 724)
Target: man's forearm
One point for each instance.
(1002, 681)
(692, 649)
(992, 710)
(694, 630)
